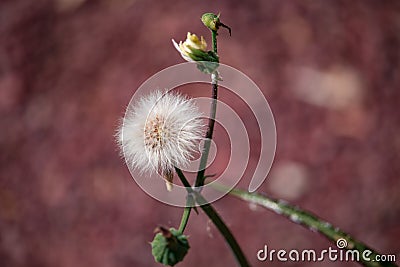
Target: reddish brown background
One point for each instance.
(330, 70)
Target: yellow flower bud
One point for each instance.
(193, 41)
(194, 49)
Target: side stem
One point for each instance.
(312, 222)
(185, 219)
(189, 200)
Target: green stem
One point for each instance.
(213, 110)
(223, 229)
(185, 219)
(214, 40)
(310, 221)
(189, 201)
(207, 208)
(214, 217)
(184, 181)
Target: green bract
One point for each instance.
(169, 246)
(200, 55)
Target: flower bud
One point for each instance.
(169, 246)
(195, 49)
(212, 21)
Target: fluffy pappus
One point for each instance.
(160, 131)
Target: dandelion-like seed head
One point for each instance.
(160, 132)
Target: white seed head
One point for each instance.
(160, 132)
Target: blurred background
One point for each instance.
(68, 68)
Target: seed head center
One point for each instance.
(155, 132)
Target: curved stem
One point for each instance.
(189, 200)
(311, 222)
(214, 217)
(223, 229)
